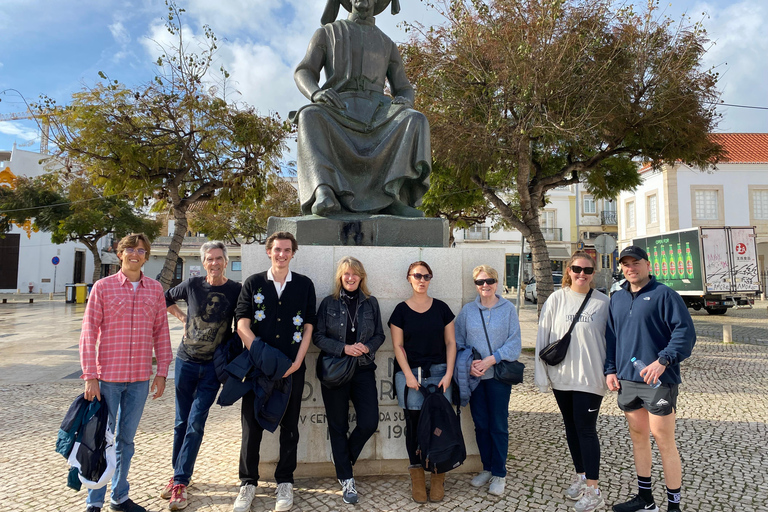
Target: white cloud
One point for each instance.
(18, 130)
(120, 33)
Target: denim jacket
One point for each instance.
(331, 333)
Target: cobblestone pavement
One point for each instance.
(722, 434)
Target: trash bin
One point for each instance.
(81, 290)
(69, 293)
(88, 296)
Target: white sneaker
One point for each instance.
(497, 485)
(481, 479)
(591, 501)
(284, 497)
(244, 498)
(577, 487)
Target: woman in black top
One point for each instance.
(349, 322)
(425, 349)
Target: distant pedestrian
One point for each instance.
(424, 342)
(489, 402)
(277, 306)
(124, 322)
(211, 302)
(349, 323)
(648, 321)
(578, 382)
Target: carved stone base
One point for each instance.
(364, 230)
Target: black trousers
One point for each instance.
(580, 411)
(289, 437)
(361, 390)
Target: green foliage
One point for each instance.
(524, 96)
(246, 222)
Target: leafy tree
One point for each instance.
(527, 95)
(72, 209)
(173, 142)
(240, 223)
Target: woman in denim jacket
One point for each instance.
(349, 322)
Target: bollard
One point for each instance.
(5, 301)
(50, 296)
(31, 301)
(727, 333)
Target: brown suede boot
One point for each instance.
(418, 484)
(437, 487)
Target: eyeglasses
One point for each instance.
(419, 277)
(578, 270)
(481, 282)
(133, 250)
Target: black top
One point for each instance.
(279, 322)
(423, 338)
(351, 300)
(210, 310)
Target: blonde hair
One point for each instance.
(579, 255)
(348, 262)
(487, 269)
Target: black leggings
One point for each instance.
(580, 411)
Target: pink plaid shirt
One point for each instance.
(121, 327)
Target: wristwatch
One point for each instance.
(664, 361)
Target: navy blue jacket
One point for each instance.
(86, 422)
(260, 370)
(650, 323)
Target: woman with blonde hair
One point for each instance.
(349, 323)
(577, 382)
(497, 340)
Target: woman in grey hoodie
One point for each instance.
(577, 382)
(489, 402)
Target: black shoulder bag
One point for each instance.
(506, 372)
(554, 353)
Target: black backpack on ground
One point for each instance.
(440, 441)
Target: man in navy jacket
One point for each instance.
(648, 321)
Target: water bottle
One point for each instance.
(639, 365)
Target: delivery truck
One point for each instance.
(714, 268)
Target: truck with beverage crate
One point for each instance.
(714, 268)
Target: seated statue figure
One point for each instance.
(359, 150)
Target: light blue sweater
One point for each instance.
(503, 330)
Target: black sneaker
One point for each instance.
(127, 506)
(91, 508)
(635, 504)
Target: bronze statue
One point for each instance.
(359, 150)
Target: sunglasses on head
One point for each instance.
(578, 270)
(419, 277)
(481, 282)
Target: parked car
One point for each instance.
(530, 289)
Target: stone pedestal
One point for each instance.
(367, 230)
(386, 267)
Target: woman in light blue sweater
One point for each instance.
(489, 402)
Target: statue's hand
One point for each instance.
(402, 100)
(329, 96)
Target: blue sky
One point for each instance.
(56, 47)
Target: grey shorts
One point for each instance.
(659, 402)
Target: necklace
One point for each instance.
(353, 321)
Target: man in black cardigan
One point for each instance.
(278, 306)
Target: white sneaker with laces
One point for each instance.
(244, 498)
(591, 501)
(577, 487)
(284, 497)
(481, 479)
(497, 485)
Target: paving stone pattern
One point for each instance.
(722, 435)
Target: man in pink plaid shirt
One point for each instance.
(124, 322)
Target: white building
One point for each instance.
(26, 256)
(680, 197)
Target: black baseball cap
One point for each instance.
(633, 251)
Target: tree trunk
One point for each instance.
(180, 231)
(542, 266)
(92, 245)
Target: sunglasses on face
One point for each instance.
(578, 270)
(481, 282)
(419, 277)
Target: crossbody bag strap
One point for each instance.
(485, 330)
(578, 313)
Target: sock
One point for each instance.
(673, 499)
(644, 488)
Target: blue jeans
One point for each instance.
(489, 405)
(196, 389)
(125, 401)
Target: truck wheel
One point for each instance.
(696, 306)
(716, 311)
